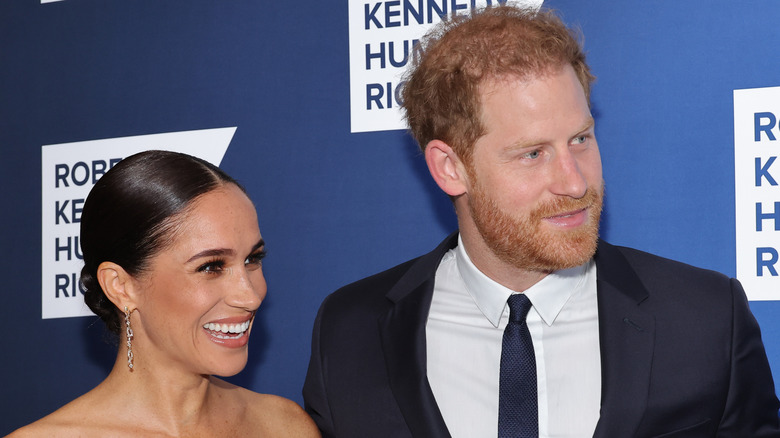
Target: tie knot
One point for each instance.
(519, 305)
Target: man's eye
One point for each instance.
(580, 140)
(532, 155)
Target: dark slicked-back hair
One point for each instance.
(441, 91)
(131, 214)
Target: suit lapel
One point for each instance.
(403, 342)
(627, 336)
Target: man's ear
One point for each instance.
(446, 168)
(118, 285)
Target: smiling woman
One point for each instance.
(173, 265)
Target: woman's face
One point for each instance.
(199, 296)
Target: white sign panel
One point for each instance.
(69, 170)
(757, 193)
(382, 35)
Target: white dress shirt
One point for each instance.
(464, 333)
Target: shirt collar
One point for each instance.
(548, 296)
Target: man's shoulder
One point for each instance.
(644, 262)
(376, 285)
(666, 280)
(372, 292)
(358, 304)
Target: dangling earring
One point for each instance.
(129, 333)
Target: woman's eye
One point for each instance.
(255, 260)
(212, 267)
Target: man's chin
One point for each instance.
(549, 255)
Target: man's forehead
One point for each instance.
(496, 83)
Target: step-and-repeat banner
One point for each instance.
(301, 104)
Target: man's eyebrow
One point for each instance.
(527, 143)
(590, 123)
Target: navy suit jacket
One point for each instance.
(681, 354)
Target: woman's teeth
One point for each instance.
(226, 328)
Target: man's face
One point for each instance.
(535, 186)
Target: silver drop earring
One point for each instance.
(129, 333)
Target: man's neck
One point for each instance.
(505, 274)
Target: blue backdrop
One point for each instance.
(336, 206)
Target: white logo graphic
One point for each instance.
(757, 193)
(381, 39)
(69, 170)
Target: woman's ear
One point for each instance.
(117, 284)
(446, 168)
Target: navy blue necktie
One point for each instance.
(517, 403)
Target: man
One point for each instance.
(622, 343)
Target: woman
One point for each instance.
(172, 254)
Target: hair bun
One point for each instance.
(97, 302)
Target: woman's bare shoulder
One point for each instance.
(66, 421)
(37, 429)
(89, 415)
(277, 416)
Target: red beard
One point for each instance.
(523, 241)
